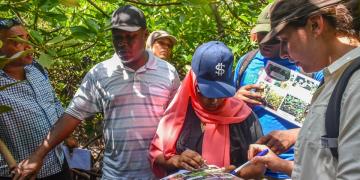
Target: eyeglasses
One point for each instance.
(8, 23)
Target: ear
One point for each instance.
(146, 33)
(317, 24)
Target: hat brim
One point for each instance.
(170, 37)
(215, 89)
(274, 32)
(127, 28)
(261, 28)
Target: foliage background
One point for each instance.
(70, 36)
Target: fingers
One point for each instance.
(255, 149)
(248, 94)
(191, 162)
(249, 87)
(192, 159)
(263, 140)
(229, 168)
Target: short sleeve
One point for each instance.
(86, 101)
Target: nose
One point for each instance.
(214, 101)
(284, 50)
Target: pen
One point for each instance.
(262, 153)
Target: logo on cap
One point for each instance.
(220, 69)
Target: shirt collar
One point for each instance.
(349, 56)
(150, 64)
(3, 74)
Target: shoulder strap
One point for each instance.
(332, 115)
(39, 67)
(245, 63)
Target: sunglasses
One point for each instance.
(8, 23)
(272, 41)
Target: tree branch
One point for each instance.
(219, 24)
(234, 14)
(81, 50)
(149, 4)
(98, 8)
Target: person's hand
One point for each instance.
(251, 94)
(229, 168)
(28, 168)
(279, 141)
(189, 160)
(71, 143)
(270, 160)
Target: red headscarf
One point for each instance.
(216, 141)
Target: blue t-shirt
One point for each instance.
(268, 120)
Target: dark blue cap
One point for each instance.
(212, 63)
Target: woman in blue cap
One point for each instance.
(204, 123)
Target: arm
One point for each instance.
(280, 141)
(270, 160)
(28, 168)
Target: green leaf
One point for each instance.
(51, 52)
(80, 32)
(21, 40)
(92, 25)
(70, 3)
(56, 40)
(4, 109)
(4, 60)
(50, 16)
(36, 36)
(47, 5)
(45, 60)
(69, 42)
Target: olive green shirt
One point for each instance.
(312, 161)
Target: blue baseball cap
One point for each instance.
(212, 64)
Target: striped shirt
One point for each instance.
(132, 103)
(35, 109)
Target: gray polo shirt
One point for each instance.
(132, 103)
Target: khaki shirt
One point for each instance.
(312, 161)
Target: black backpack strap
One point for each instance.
(245, 63)
(332, 115)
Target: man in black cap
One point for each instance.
(132, 89)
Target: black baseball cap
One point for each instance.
(285, 11)
(128, 18)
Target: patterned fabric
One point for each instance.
(133, 103)
(35, 109)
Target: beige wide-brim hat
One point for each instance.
(157, 35)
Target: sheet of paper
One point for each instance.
(79, 158)
(287, 93)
